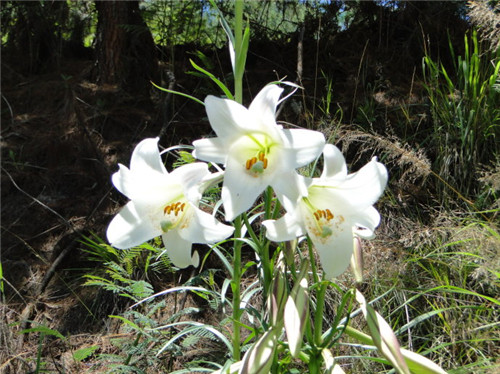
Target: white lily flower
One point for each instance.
(163, 204)
(336, 207)
(256, 152)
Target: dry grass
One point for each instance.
(486, 19)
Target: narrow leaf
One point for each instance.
(221, 85)
(179, 93)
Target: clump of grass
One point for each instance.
(445, 301)
(465, 115)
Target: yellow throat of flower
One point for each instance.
(173, 214)
(322, 220)
(258, 164)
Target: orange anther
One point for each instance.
(329, 214)
(182, 206)
(261, 156)
(253, 160)
(248, 164)
(317, 216)
(265, 163)
(167, 209)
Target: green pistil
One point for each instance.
(258, 167)
(308, 204)
(326, 231)
(166, 225)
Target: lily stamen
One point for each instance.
(326, 214)
(174, 208)
(260, 161)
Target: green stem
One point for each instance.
(235, 287)
(312, 260)
(318, 315)
(263, 252)
(130, 355)
(238, 96)
(358, 335)
(248, 225)
(266, 263)
(314, 364)
(238, 41)
(268, 199)
(39, 353)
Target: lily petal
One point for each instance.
(286, 228)
(211, 149)
(334, 163)
(146, 188)
(356, 193)
(189, 177)
(204, 228)
(147, 156)
(335, 253)
(128, 228)
(123, 180)
(133, 182)
(264, 104)
(303, 146)
(289, 186)
(228, 118)
(179, 250)
(371, 178)
(240, 189)
(366, 222)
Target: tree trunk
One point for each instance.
(125, 50)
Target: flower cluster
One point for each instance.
(256, 153)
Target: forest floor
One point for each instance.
(62, 137)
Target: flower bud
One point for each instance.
(277, 295)
(259, 357)
(383, 337)
(296, 313)
(289, 250)
(330, 366)
(357, 260)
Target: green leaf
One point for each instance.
(141, 289)
(221, 85)
(179, 93)
(44, 330)
(127, 322)
(242, 56)
(83, 353)
(194, 327)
